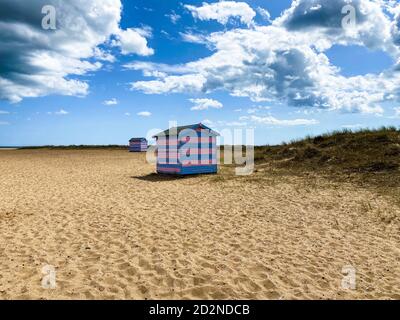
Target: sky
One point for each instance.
(109, 70)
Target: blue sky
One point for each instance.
(337, 79)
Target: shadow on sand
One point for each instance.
(157, 177)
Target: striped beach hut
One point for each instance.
(137, 145)
(190, 149)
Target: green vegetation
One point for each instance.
(366, 151)
(370, 158)
(366, 158)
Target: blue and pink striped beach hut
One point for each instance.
(137, 145)
(187, 150)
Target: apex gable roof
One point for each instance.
(177, 130)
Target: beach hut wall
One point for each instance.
(187, 150)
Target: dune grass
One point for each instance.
(367, 158)
(370, 158)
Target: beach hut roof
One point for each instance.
(176, 130)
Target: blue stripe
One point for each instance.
(190, 169)
(199, 169)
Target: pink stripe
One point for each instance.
(168, 170)
(198, 162)
(196, 151)
(173, 141)
(197, 140)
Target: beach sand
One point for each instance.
(113, 230)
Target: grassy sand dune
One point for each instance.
(369, 158)
(114, 229)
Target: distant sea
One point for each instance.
(10, 147)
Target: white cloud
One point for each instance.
(257, 109)
(36, 62)
(285, 62)
(151, 68)
(323, 19)
(61, 112)
(144, 114)
(396, 112)
(173, 16)
(264, 13)
(4, 112)
(102, 55)
(127, 114)
(4, 123)
(204, 104)
(193, 38)
(207, 122)
(133, 41)
(110, 102)
(144, 31)
(316, 7)
(223, 11)
(166, 35)
(270, 120)
(188, 83)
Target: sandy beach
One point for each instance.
(113, 229)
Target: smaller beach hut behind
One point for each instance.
(137, 145)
